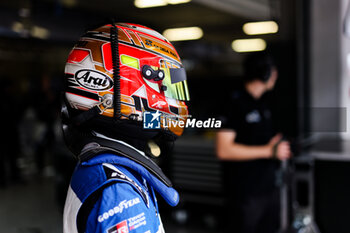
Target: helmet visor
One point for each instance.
(175, 84)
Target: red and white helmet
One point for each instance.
(124, 70)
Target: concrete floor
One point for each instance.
(30, 207)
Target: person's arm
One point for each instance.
(120, 208)
(228, 149)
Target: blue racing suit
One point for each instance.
(113, 194)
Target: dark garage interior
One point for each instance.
(310, 101)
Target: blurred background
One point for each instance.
(308, 40)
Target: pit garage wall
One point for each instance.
(329, 74)
(329, 88)
(345, 68)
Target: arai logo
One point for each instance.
(93, 80)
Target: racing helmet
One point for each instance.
(117, 73)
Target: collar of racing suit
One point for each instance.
(107, 150)
(169, 194)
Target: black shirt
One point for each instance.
(251, 119)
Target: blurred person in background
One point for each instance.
(251, 150)
(10, 143)
(115, 87)
(45, 99)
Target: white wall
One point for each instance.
(329, 79)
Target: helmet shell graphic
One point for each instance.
(152, 77)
